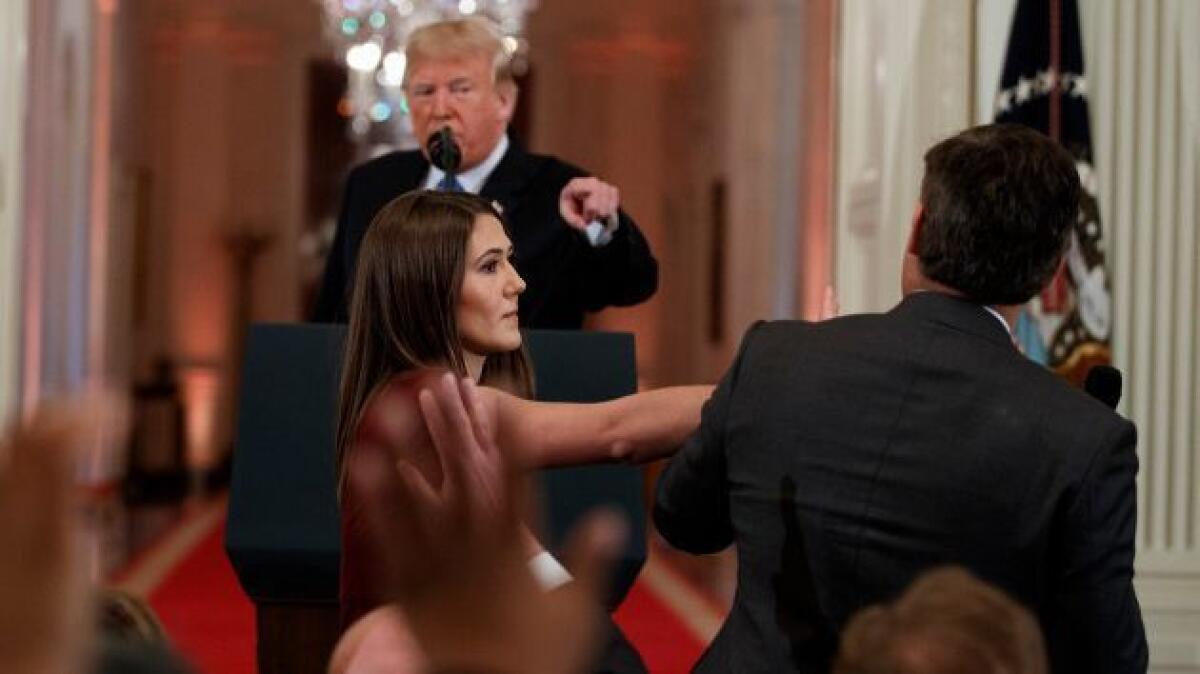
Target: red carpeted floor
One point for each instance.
(202, 607)
(212, 623)
(667, 647)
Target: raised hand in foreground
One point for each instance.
(454, 558)
(44, 625)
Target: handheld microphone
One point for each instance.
(1104, 384)
(443, 151)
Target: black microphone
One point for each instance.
(1104, 384)
(443, 151)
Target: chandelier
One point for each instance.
(370, 35)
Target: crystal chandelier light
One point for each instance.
(370, 36)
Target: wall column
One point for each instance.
(904, 83)
(13, 64)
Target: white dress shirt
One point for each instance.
(598, 234)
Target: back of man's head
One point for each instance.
(999, 202)
(460, 39)
(947, 622)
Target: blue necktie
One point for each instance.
(449, 183)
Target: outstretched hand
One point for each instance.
(583, 200)
(454, 555)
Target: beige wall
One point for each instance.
(220, 162)
(624, 89)
(779, 97)
(1144, 78)
(12, 104)
(58, 308)
(69, 245)
(905, 79)
(153, 131)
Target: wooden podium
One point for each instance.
(283, 533)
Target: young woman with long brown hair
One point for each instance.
(435, 288)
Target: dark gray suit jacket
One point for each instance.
(845, 457)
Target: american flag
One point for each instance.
(1043, 86)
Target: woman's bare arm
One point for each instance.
(635, 428)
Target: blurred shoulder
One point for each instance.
(547, 166)
(790, 331)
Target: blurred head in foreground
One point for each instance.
(947, 622)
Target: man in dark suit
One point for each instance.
(577, 251)
(845, 457)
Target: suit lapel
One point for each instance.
(510, 177)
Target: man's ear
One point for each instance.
(507, 91)
(912, 278)
(914, 232)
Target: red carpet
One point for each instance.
(667, 647)
(212, 623)
(203, 609)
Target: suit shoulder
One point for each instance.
(547, 165)
(770, 331)
(387, 164)
(1069, 416)
(839, 327)
(1046, 384)
(786, 336)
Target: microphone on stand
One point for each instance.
(1103, 383)
(444, 152)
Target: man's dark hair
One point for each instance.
(999, 203)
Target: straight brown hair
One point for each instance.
(402, 308)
